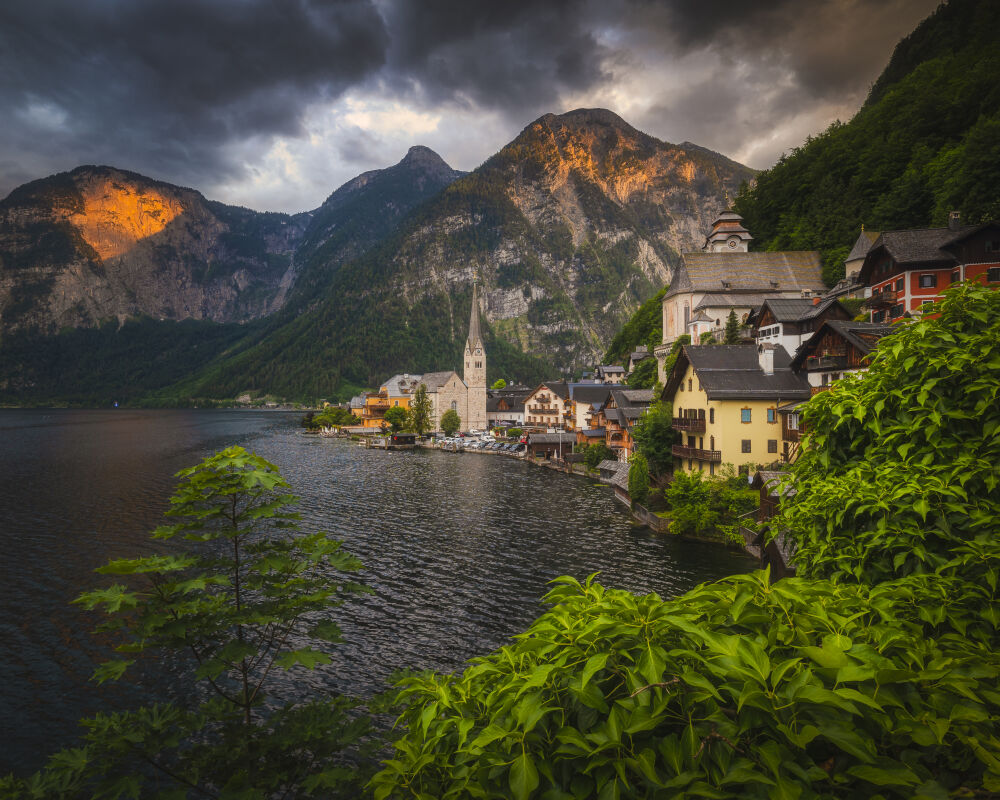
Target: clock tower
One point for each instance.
(728, 234)
(475, 370)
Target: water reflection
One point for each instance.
(458, 547)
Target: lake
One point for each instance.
(459, 549)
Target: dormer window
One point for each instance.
(727, 285)
(774, 284)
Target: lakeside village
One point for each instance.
(747, 339)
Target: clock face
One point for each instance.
(479, 352)
(732, 243)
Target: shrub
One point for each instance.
(700, 506)
(638, 478)
(900, 472)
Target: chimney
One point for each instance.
(816, 301)
(954, 221)
(765, 355)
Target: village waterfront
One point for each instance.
(458, 549)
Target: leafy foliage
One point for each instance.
(644, 375)
(654, 435)
(420, 411)
(645, 326)
(638, 478)
(332, 417)
(708, 506)
(397, 418)
(738, 689)
(924, 143)
(450, 422)
(594, 454)
(900, 471)
(251, 597)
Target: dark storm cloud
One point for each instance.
(513, 56)
(193, 90)
(162, 86)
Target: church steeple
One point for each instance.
(475, 368)
(475, 337)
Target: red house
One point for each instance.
(907, 270)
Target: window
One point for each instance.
(925, 303)
(772, 445)
(956, 275)
(928, 281)
(454, 405)
(711, 416)
(745, 444)
(689, 384)
(896, 311)
(772, 415)
(745, 416)
(878, 316)
(711, 442)
(900, 283)
(993, 246)
(793, 421)
(396, 403)
(993, 274)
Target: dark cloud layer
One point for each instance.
(177, 89)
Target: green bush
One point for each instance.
(700, 506)
(738, 689)
(901, 469)
(638, 478)
(594, 454)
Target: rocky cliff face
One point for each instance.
(566, 230)
(99, 243)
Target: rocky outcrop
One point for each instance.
(99, 243)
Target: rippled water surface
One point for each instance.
(458, 547)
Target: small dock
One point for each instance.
(396, 441)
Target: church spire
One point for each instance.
(475, 337)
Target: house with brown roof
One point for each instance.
(838, 348)
(618, 416)
(907, 270)
(790, 321)
(708, 285)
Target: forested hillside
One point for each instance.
(926, 141)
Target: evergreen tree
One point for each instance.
(732, 329)
(420, 411)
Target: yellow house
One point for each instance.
(725, 404)
(394, 393)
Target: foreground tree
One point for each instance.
(450, 422)
(420, 411)
(876, 678)
(250, 601)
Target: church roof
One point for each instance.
(475, 335)
(435, 380)
(766, 272)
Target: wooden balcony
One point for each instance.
(690, 425)
(882, 299)
(681, 451)
(827, 361)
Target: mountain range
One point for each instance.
(565, 230)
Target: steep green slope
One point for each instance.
(645, 326)
(927, 141)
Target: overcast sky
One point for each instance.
(272, 104)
